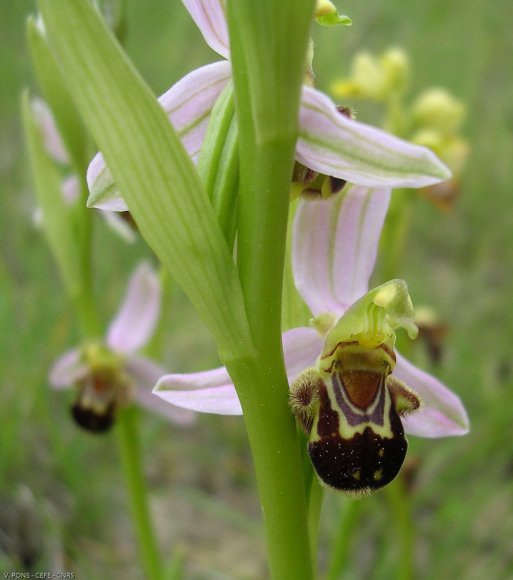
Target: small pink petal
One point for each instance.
(443, 414)
(136, 319)
(301, 347)
(335, 245)
(51, 137)
(221, 400)
(206, 392)
(210, 18)
(213, 391)
(192, 381)
(70, 189)
(189, 102)
(360, 217)
(145, 374)
(68, 369)
(313, 236)
(333, 144)
(104, 192)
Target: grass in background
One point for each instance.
(61, 490)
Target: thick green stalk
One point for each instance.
(84, 301)
(129, 448)
(271, 432)
(263, 386)
(87, 315)
(268, 67)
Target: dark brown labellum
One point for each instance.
(361, 463)
(351, 411)
(93, 420)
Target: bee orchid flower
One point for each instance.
(335, 244)
(110, 374)
(329, 143)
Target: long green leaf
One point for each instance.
(57, 220)
(150, 166)
(57, 96)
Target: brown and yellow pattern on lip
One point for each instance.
(351, 408)
(360, 458)
(99, 396)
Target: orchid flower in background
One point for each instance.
(329, 142)
(335, 244)
(108, 375)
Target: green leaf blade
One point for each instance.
(57, 96)
(57, 222)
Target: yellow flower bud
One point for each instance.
(438, 109)
(324, 8)
(396, 68)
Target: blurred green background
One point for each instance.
(62, 500)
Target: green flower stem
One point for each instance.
(342, 541)
(87, 315)
(400, 506)
(263, 391)
(127, 431)
(262, 386)
(90, 327)
(268, 68)
(395, 233)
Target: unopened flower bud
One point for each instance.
(396, 67)
(326, 14)
(437, 109)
